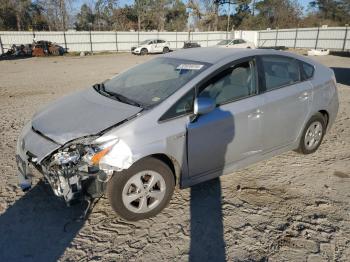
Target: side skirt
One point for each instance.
(237, 165)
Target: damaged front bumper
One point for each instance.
(66, 169)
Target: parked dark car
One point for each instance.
(191, 45)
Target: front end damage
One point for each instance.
(75, 170)
(72, 172)
(68, 143)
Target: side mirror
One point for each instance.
(203, 105)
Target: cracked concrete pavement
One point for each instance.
(289, 208)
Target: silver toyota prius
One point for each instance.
(175, 121)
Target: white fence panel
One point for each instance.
(334, 38)
(103, 41)
(97, 41)
(10, 38)
(78, 41)
(56, 37)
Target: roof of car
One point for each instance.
(213, 55)
(151, 39)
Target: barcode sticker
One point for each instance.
(189, 67)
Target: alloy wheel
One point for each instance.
(143, 191)
(313, 135)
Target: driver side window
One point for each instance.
(232, 84)
(182, 107)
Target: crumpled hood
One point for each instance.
(81, 114)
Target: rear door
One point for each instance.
(286, 100)
(232, 131)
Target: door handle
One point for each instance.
(255, 114)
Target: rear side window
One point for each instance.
(279, 71)
(160, 41)
(306, 70)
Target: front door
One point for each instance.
(232, 131)
(153, 46)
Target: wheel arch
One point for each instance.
(323, 112)
(325, 115)
(170, 161)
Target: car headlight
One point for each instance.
(99, 148)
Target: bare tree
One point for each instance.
(141, 7)
(57, 13)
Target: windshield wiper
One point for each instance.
(124, 99)
(102, 90)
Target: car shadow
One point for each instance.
(14, 57)
(207, 229)
(207, 234)
(38, 227)
(342, 74)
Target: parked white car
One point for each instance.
(235, 43)
(151, 46)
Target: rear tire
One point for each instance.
(142, 191)
(144, 51)
(166, 50)
(312, 135)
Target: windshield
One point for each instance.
(224, 42)
(152, 82)
(145, 42)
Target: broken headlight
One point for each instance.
(99, 149)
(78, 161)
(84, 152)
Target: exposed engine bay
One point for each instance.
(73, 171)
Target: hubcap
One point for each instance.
(143, 191)
(313, 135)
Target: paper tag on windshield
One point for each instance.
(189, 67)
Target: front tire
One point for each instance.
(143, 51)
(313, 134)
(142, 191)
(166, 50)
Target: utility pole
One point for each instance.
(253, 7)
(228, 19)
